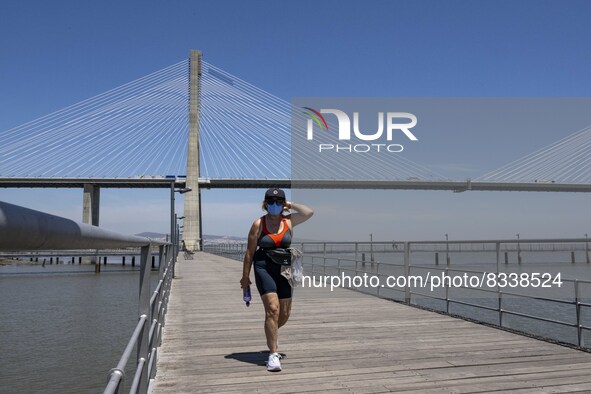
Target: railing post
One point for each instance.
(499, 303)
(174, 239)
(144, 309)
(156, 313)
(498, 252)
(165, 253)
(580, 341)
(371, 248)
(447, 284)
(406, 272)
(162, 252)
(167, 282)
(172, 214)
(500, 306)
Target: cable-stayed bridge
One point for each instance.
(195, 125)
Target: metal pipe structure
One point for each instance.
(26, 229)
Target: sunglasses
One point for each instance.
(275, 200)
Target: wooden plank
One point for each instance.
(343, 341)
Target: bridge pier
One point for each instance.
(192, 212)
(91, 203)
(91, 212)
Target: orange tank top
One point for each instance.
(268, 240)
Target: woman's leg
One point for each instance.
(284, 311)
(272, 285)
(272, 305)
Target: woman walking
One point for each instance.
(271, 231)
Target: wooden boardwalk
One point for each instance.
(346, 342)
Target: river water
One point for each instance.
(64, 327)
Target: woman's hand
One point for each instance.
(287, 204)
(245, 282)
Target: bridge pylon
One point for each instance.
(192, 224)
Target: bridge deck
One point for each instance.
(344, 342)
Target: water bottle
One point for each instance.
(246, 295)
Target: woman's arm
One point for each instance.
(251, 247)
(302, 213)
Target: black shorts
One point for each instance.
(268, 276)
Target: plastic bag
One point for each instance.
(295, 272)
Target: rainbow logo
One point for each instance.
(317, 117)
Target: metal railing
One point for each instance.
(234, 251)
(23, 229)
(147, 336)
(456, 258)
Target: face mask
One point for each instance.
(275, 209)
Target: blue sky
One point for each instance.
(57, 53)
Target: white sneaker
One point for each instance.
(273, 365)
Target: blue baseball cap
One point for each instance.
(274, 193)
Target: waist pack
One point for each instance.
(281, 256)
